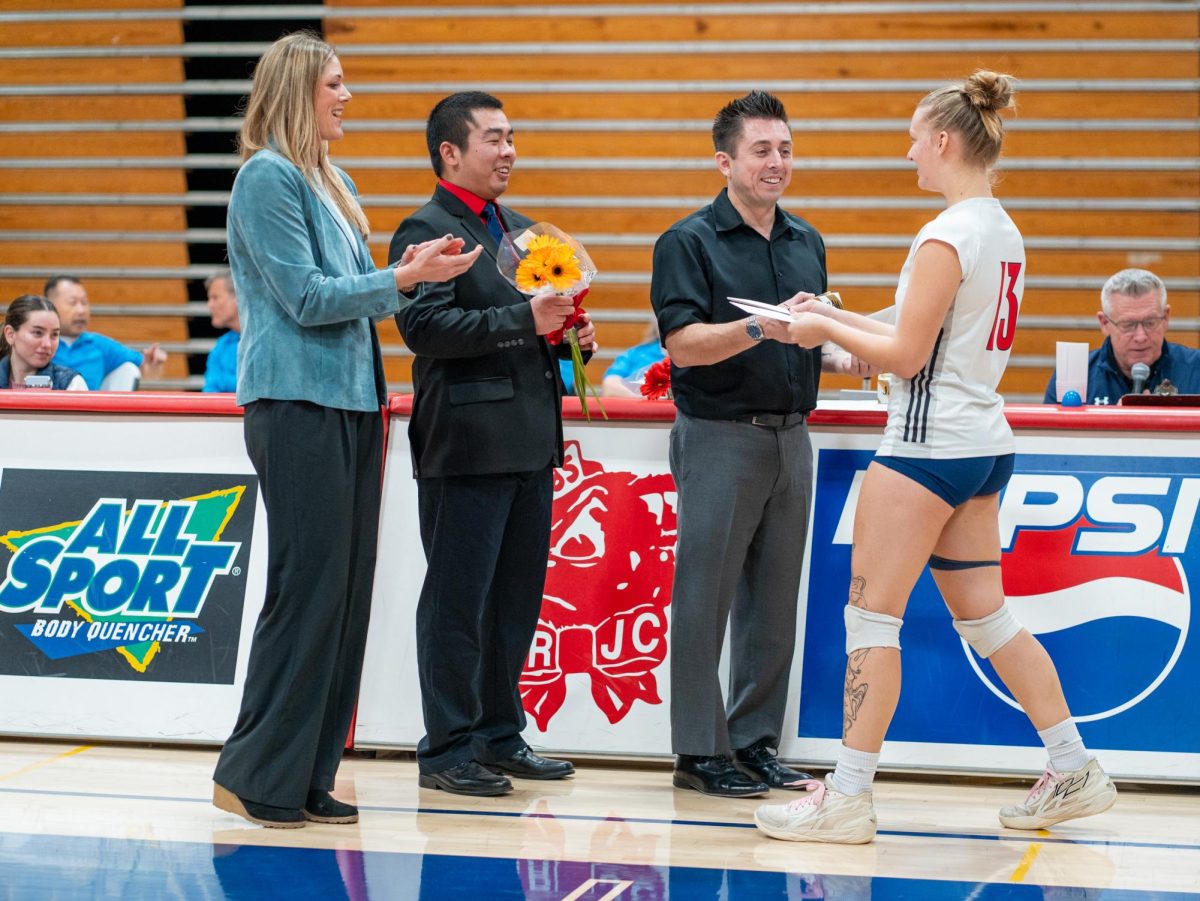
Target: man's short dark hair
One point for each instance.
(55, 280)
(727, 126)
(451, 120)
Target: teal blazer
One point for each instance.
(308, 293)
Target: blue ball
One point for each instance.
(1072, 399)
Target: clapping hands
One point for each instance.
(435, 260)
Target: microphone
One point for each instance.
(1140, 373)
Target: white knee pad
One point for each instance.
(990, 634)
(867, 629)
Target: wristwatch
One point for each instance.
(753, 329)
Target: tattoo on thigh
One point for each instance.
(856, 692)
(858, 592)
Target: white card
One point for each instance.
(758, 308)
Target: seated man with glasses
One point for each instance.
(1133, 318)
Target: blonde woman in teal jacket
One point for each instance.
(310, 376)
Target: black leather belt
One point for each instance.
(773, 420)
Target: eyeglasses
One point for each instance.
(1129, 326)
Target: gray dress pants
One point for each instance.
(744, 495)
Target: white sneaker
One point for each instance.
(1062, 796)
(822, 815)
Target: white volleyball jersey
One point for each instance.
(950, 408)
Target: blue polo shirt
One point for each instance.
(94, 356)
(632, 364)
(220, 372)
(566, 369)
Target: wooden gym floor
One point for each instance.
(109, 821)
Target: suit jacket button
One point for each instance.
(549, 374)
(520, 340)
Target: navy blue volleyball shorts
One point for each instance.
(955, 481)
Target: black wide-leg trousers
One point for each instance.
(319, 471)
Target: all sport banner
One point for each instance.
(123, 575)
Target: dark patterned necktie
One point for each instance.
(495, 229)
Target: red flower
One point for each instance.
(657, 382)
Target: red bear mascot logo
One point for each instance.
(612, 560)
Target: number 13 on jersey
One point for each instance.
(1004, 324)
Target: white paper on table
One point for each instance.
(758, 308)
(1071, 368)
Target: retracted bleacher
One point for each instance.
(612, 104)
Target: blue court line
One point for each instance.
(35, 867)
(591, 818)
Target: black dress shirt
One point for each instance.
(711, 255)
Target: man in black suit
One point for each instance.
(486, 434)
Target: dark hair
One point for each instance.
(451, 120)
(972, 108)
(18, 311)
(53, 282)
(727, 126)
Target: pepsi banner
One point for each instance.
(123, 575)
(1100, 554)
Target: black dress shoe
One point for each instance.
(525, 764)
(759, 762)
(322, 807)
(260, 814)
(468, 778)
(715, 776)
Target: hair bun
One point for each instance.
(988, 91)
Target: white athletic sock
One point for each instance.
(855, 771)
(1065, 747)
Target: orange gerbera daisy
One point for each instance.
(531, 274)
(549, 261)
(543, 242)
(562, 268)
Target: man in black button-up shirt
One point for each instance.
(740, 454)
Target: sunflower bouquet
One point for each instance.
(543, 259)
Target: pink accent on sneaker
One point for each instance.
(813, 797)
(1048, 778)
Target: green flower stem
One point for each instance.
(582, 385)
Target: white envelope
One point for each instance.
(758, 308)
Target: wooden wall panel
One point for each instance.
(120, 70)
(668, 104)
(101, 218)
(888, 145)
(584, 194)
(69, 257)
(83, 33)
(1055, 223)
(850, 182)
(700, 26)
(670, 67)
(107, 290)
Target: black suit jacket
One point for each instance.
(488, 397)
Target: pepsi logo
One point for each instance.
(1094, 571)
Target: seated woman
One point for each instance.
(27, 345)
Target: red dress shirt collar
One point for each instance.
(474, 202)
